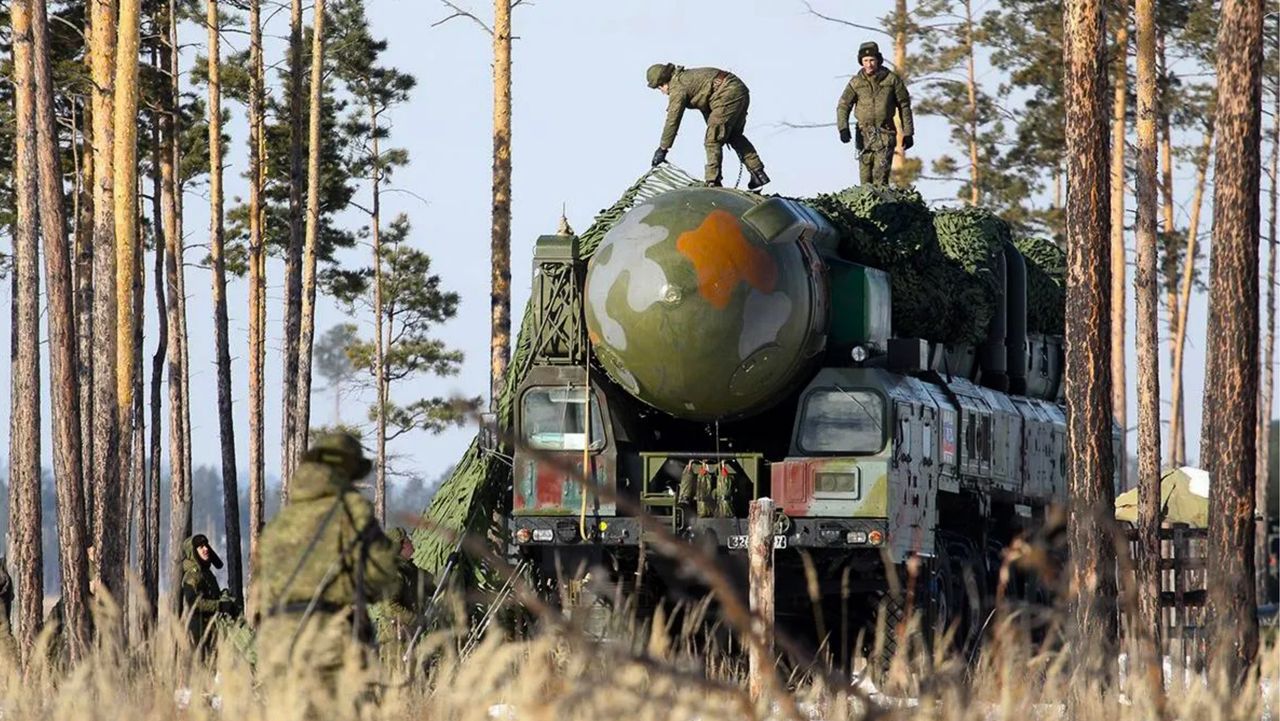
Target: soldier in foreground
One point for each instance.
(723, 100)
(202, 598)
(322, 560)
(874, 94)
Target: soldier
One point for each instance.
(8, 647)
(723, 100)
(396, 618)
(202, 598)
(322, 559)
(874, 94)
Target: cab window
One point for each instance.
(836, 420)
(553, 419)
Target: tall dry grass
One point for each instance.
(591, 664)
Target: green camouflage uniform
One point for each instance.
(8, 647)
(324, 550)
(396, 618)
(201, 595)
(723, 100)
(874, 99)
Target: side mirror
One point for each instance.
(488, 434)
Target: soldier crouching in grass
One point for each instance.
(322, 560)
(723, 99)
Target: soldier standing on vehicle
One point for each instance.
(874, 94)
(322, 560)
(723, 100)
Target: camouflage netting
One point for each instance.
(466, 501)
(1046, 284)
(942, 285)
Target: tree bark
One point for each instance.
(380, 349)
(68, 472)
(1119, 105)
(308, 325)
(257, 281)
(1177, 420)
(84, 306)
(1263, 473)
(151, 569)
(500, 250)
(1090, 463)
(899, 67)
(179, 418)
(106, 420)
(971, 83)
(293, 259)
(226, 427)
(1230, 402)
(113, 548)
(1146, 289)
(24, 397)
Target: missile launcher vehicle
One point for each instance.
(719, 346)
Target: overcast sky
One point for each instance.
(584, 128)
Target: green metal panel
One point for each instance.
(860, 305)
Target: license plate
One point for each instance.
(542, 534)
(739, 542)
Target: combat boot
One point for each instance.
(758, 179)
(713, 183)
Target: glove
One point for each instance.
(857, 142)
(659, 157)
(908, 141)
(845, 135)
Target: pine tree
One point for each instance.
(72, 530)
(1146, 288)
(1090, 465)
(412, 302)
(1227, 439)
(257, 278)
(24, 398)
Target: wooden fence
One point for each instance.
(1182, 593)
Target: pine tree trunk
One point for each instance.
(230, 492)
(380, 349)
(1146, 289)
(24, 396)
(293, 259)
(113, 549)
(500, 250)
(975, 176)
(1227, 448)
(1177, 420)
(257, 282)
(179, 487)
(900, 67)
(65, 402)
(1090, 462)
(308, 325)
(151, 570)
(1172, 296)
(106, 420)
(1119, 104)
(1263, 472)
(84, 306)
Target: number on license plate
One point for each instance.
(739, 542)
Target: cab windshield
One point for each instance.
(836, 420)
(554, 419)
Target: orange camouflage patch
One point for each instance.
(723, 257)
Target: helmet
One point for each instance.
(660, 74)
(341, 450)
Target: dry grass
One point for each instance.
(647, 669)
